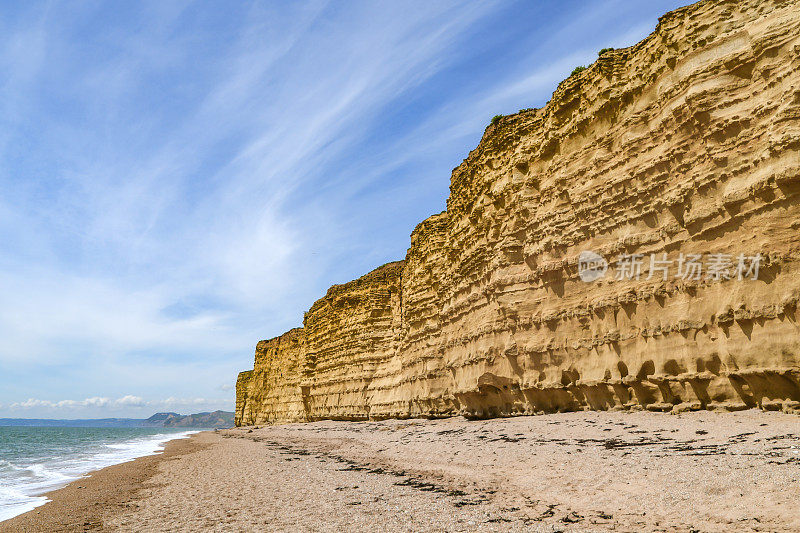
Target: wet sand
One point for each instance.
(588, 471)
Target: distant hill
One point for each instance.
(158, 419)
(217, 419)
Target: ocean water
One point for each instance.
(35, 460)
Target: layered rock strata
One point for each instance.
(686, 143)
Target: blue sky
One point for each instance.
(181, 179)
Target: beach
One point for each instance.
(584, 471)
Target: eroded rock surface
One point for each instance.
(686, 143)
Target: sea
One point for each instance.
(36, 460)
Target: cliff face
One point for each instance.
(350, 334)
(686, 143)
(271, 391)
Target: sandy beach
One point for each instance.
(587, 471)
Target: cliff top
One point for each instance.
(604, 88)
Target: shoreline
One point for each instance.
(85, 503)
(580, 471)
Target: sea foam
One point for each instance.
(23, 482)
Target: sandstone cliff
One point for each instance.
(686, 143)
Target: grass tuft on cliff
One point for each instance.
(496, 119)
(604, 50)
(578, 70)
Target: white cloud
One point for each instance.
(32, 403)
(67, 310)
(131, 401)
(110, 403)
(186, 402)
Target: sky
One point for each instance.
(181, 179)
